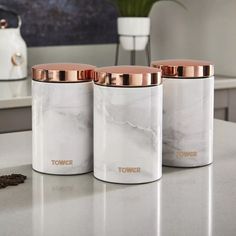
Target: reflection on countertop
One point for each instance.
(83, 205)
(186, 201)
(87, 206)
(18, 93)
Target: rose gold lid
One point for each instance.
(128, 76)
(63, 72)
(185, 68)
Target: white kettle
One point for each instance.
(13, 50)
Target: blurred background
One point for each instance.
(85, 31)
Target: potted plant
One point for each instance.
(134, 22)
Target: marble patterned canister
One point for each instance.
(128, 124)
(62, 123)
(188, 112)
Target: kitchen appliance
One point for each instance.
(128, 124)
(62, 122)
(13, 50)
(188, 112)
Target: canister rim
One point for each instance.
(128, 76)
(185, 68)
(63, 72)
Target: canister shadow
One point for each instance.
(169, 169)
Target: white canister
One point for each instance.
(62, 123)
(188, 112)
(128, 124)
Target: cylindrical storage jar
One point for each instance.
(188, 112)
(62, 123)
(128, 124)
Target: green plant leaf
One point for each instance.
(175, 1)
(137, 8)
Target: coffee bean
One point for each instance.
(3, 185)
(11, 180)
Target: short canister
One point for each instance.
(128, 124)
(62, 122)
(188, 112)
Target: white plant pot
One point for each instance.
(133, 32)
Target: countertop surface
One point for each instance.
(15, 94)
(193, 201)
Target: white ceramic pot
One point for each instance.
(133, 32)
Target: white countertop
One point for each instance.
(15, 94)
(191, 202)
(225, 82)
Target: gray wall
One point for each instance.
(64, 22)
(205, 31)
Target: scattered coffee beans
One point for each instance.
(11, 180)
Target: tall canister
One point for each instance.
(62, 108)
(188, 112)
(128, 124)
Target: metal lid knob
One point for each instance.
(17, 59)
(12, 12)
(3, 24)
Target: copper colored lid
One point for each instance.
(185, 68)
(128, 76)
(63, 72)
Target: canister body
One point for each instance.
(128, 134)
(188, 121)
(62, 127)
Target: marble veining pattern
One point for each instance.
(188, 122)
(127, 133)
(62, 126)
